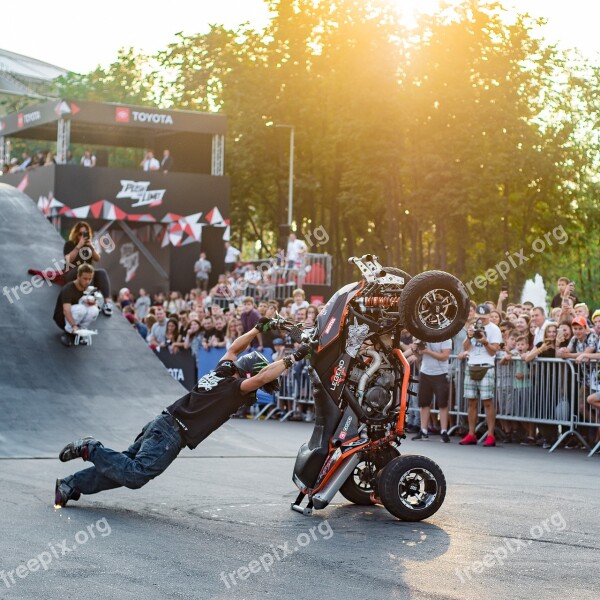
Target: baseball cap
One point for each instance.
(123, 291)
(280, 342)
(579, 321)
(483, 309)
(596, 314)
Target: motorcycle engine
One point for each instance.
(379, 392)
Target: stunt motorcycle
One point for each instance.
(360, 381)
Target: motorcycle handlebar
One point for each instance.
(296, 332)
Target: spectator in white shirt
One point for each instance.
(142, 304)
(150, 163)
(231, 257)
(299, 302)
(295, 249)
(88, 159)
(538, 318)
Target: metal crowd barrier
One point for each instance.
(295, 390)
(552, 393)
(312, 269)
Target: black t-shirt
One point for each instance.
(557, 301)
(68, 295)
(210, 404)
(550, 353)
(79, 260)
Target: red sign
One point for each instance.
(330, 324)
(122, 114)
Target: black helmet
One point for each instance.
(252, 364)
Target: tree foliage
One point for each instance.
(445, 146)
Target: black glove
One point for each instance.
(263, 324)
(303, 351)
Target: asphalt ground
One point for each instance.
(516, 523)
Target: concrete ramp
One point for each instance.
(50, 394)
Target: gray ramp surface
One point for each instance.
(50, 394)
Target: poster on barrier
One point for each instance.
(181, 366)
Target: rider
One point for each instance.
(186, 422)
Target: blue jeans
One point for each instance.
(155, 448)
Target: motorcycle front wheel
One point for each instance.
(434, 306)
(412, 488)
(359, 485)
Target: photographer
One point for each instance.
(480, 346)
(70, 313)
(433, 381)
(78, 249)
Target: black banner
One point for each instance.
(113, 115)
(181, 366)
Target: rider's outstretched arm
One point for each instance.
(240, 344)
(274, 370)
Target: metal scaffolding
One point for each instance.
(63, 140)
(218, 153)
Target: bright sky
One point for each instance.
(79, 35)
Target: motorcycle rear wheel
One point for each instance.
(359, 485)
(434, 306)
(412, 488)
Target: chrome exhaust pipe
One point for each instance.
(323, 497)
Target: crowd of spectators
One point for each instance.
(47, 157)
(203, 319)
(570, 331)
(174, 322)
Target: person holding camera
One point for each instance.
(79, 249)
(433, 381)
(74, 310)
(186, 422)
(480, 346)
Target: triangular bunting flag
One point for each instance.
(81, 212)
(23, 183)
(96, 208)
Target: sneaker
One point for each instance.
(490, 441)
(66, 339)
(76, 449)
(63, 493)
(528, 441)
(421, 436)
(547, 445)
(445, 438)
(468, 440)
(107, 308)
(572, 445)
